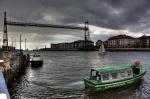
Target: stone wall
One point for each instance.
(13, 65)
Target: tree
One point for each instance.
(137, 44)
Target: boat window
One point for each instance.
(93, 73)
(114, 75)
(105, 77)
(129, 72)
(122, 73)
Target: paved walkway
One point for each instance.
(3, 88)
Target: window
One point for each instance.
(129, 72)
(114, 75)
(93, 73)
(105, 77)
(122, 73)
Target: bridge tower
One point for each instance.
(5, 36)
(86, 36)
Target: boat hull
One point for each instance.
(97, 86)
(37, 63)
(103, 53)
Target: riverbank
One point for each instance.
(127, 49)
(107, 49)
(12, 64)
(18, 63)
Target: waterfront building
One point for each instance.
(71, 45)
(106, 44)
(54, 46)
(62, 46)
(81, 43)
(144, 41)
(98, 43)
(121, 41)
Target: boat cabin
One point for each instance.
(36, 55)
(36, 60)
(114, 72)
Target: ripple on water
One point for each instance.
(62, 73)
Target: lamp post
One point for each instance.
(20, 43)
(12, 41)
(25, 44)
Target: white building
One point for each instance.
(121, 41)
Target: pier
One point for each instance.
(11, 65)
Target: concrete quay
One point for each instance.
(12, 63)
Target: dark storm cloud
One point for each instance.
(113, 14)
(132, 15)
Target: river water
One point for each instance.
(61, 76)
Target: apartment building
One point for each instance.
(72, 45)
(144, 41)
(121, 41)
(98, 43)
(62, 46)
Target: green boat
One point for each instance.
(114, 76)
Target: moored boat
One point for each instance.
(36, 60)
(114, 76)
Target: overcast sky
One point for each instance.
(106, 18)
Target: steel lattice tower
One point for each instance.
(5, 36)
